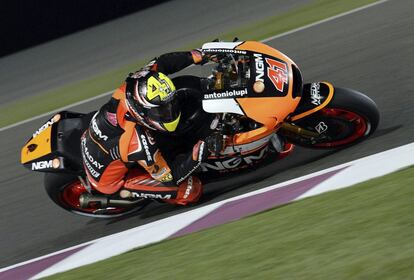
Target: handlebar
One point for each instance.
(232, 71)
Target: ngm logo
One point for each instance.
(42, 165)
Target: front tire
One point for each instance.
(349, 118)
(65, 189)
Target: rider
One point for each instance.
(141, 125)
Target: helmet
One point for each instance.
(151, 99)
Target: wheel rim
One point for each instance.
(70, 197)
(350, 121)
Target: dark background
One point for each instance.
(28, 23)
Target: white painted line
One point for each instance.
(46, 256)
(366, 168)
(124, 241)
(57, 110)
(323, 21)
(264, 41)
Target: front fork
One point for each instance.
(292, 128)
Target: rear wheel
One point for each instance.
(349, 118)
(65, 190)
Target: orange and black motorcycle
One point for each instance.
(255, 93)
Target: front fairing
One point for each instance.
(260, 83)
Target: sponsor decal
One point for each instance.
(226, 94)
(321, 127)
(92, 171)
(146, 148)
(233, 162)
(151, 195)
(53, 120)
(189, 187)
(225, 51)
(258, 60)
(42, 165)
(89, 161)
(43, 127)
(96, 129)
(315, 96)
(277, 73)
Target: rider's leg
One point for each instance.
(141, 185)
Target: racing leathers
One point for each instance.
(115, 142)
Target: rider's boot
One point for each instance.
(189, 192)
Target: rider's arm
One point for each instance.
(170, 63)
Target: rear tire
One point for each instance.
(349, 118)
(64, 190)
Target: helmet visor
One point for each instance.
(165, 113)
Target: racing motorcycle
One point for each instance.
(254, 91)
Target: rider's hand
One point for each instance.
(200, 151)
(211, 145)
(199, 57)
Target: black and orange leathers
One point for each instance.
(115, 142)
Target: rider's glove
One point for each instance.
(211, 145)
(200, 151)
(199, 57)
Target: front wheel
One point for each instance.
(349, 118)
(65, 190)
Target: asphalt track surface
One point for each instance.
(370, 50)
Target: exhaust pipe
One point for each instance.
(86, 198)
